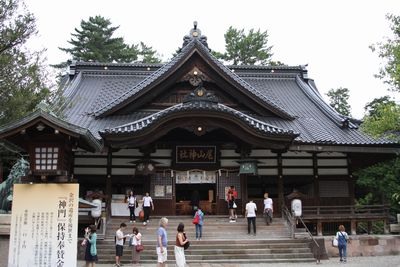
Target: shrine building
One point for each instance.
(195, 124)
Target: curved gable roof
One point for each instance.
(162, 73)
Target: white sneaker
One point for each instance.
(134, 221)
(130, 221)
(144, 223)
(148, 221)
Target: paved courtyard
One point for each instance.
(379, 261)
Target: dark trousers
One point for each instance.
(251, 220)
(146, 211)
(132, 216)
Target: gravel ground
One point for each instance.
(378, 261)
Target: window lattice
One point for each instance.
(46, 158)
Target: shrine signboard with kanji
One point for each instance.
(186, 156)
(44, 225)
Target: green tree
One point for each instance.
(372, 107)
(246, 49)
(95, 42)
(148, 55)
(23, 82)
(338, 99)
(389, 51)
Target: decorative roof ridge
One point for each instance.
(286, 76)
(148, 80)
(114, 73)
(201, 105)
(235, 77)
(314, 96)
(266, 67)
(105, 64)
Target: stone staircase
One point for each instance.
(222, 242)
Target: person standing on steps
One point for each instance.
(180, 242)
(162, 242)
(147, 204)
(342, 238)
(136, 239)
(268, 208)
(251, 209)
(91, 250)
(231, 197)
(131, 206)
(119, 244)
(199, 226)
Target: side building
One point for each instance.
(196, 125)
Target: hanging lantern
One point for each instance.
(145, 166)
(248, 166)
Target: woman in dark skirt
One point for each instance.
(91, 250)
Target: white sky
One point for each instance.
(332, 37)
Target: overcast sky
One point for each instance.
(332, 37)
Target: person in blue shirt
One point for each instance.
(199, 226)
(342, 239)
(162, 242)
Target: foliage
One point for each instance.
(382, 181)
(23, 82)
(389, 50)
(384, 120)
(147, 54)
(371, 107)
(338, 99)
(95, 42)
(246, 49)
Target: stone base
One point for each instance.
(367, 245)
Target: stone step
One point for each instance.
(222, 242)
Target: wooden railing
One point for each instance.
(349, 211)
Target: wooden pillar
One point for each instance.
(316, 180)
(109, 180)
(369, 227)
(386, 228)
(1, 171)
(319, 228)
(243, 189)
(351, 181)
(281, 197)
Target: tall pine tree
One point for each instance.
(338, 99)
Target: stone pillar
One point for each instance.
(386, 228)
(353, 227)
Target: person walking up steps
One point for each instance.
(342, 238)
(251, 209)
(268, 209)
(179, 250)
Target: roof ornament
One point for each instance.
(195, 33)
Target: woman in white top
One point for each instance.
(136, 239)
(268, 209)
(131, 207)
(147, 204)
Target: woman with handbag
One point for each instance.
(135, 243)
(179, 250)
(342, 238)
(132, 203)
(198, 222)
(91, 249)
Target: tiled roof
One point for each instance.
(163, 72)
(84, 133)
(258, 125)
(95, 90)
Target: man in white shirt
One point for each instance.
(251, 209)
(268, 208)
(119, 244)
(147, 204)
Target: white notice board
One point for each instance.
(44, 225)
